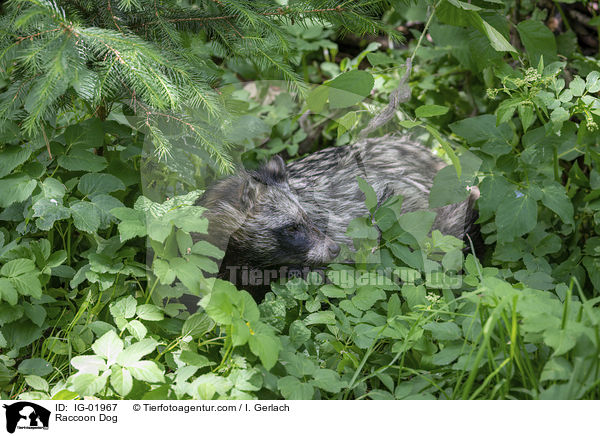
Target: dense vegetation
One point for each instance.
(115, 114)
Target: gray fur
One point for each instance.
(320, 194)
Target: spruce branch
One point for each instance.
(62, 55)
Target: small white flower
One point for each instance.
(53, 201)
(432, 298)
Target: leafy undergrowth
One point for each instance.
(95, 232)
(399, 323)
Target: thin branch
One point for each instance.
(46, 141)
(20, 39)
(114, 19)
(279, 12)
(402, 93)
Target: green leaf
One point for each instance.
(48, 211)
(527, 115)
(188, 219)
(444, 331)
(240, 332)
(561, 340)
(82, 160)
(558, 117)
(220, 307)
(23, 276)
(577, 86)
(16, 188)
(497, 40)
(108, 346)
(349, 88)
(52, 188)
(516, 215)
(506, 110)
(266, 347)
(555, 198)
(361, 228)
(328, 380)
(91, 184)
(124, 308)
(121, 380)
(159, 228)
(293, 389)
(65, 395)
(431, 110)
(367, 296)
(322, 317)
(417, 223)
(37, 383)
(104, 203)
(9, 313)
(207, 249)
(35, 366)
(464, 5)
(317, 98)
(538, 40)
(592, 82)
(446, 188)
(17, 267)
(36, 313)
(86, 216)
(27, 284)
(137, 329)
(204, 263)
(188, 274)
(12, 157)
(447, 148)
(447, 355)
(557, 368)
(86, 134)
(86, 384)
(197, 325)
(57, 258)
(483, 128)
(592, 265)
(194, 359)
(378, 58)
(8, 292)
(299, 333)
(6, 375)
(163, 271)
(133, 223)
(21, 333)
(136, 351)
(347, 122)
(88, 364)
(150, 312)
(147, 371)
(370, 195)
(332, 291)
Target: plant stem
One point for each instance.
(425, 29)
(562, 15)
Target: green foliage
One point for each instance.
(154, 62)
(111, 126)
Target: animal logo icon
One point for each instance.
(26, 415)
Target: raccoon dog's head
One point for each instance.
(259, 219)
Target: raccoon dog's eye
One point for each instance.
(292, 228)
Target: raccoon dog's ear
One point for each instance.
(249, 192)
(273, 172)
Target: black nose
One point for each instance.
(334, 250)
